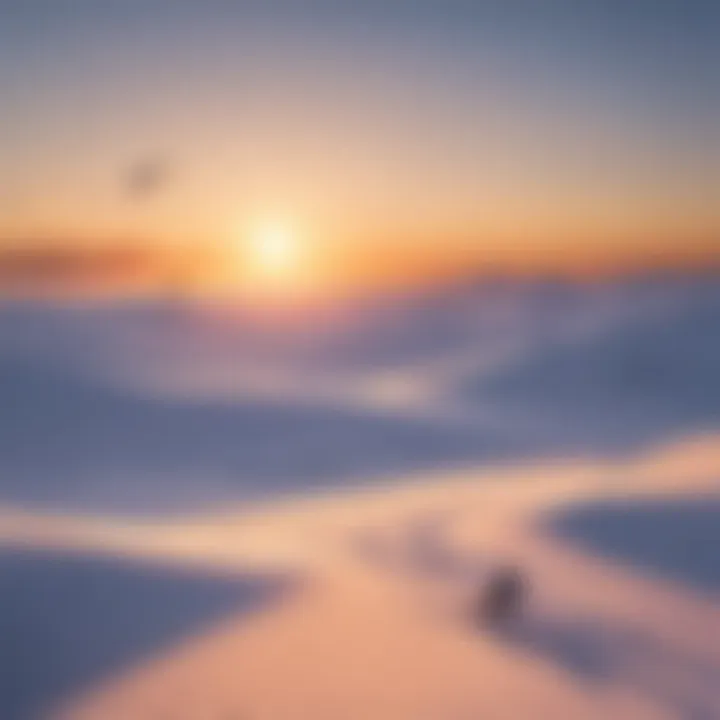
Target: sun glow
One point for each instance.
(274, 263)
(274, 251)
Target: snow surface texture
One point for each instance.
(202, 517)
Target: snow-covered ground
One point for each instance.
(201, 517)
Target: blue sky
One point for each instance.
(503, 121)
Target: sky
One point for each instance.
(388, 138)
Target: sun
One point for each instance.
(274, 251)
(271, 261)
(275, 262)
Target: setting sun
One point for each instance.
(274, 250)
(276, 260)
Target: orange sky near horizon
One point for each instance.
(309, 274)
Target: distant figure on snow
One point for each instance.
(502, 597)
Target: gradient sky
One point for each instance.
(517, 130)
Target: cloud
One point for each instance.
(39, 269)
